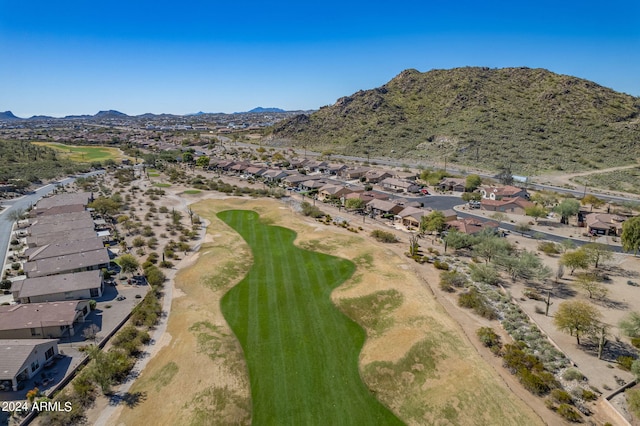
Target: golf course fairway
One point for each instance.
(301, 351)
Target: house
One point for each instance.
(412, 176)
(51, 320)
(604, 223)
(294, 180)
(499, 192)
(412, 216)
(336, 169)
(274, 175)
(297, 163)
(59, 218)
(74, 262)
(453, 184)
(515, 205)
(367, 196)
(255, 171)
(238, 168)
(41, 240)
(22, 359)
(312, 185)
(398, 185)
(331, 191)
(61, 225)
(355, 173)
(57, 210)
(76, 286)
(60, 248)
(67, 199)
(375, 176)
(316, 166)
(382, 207)
(472, 226)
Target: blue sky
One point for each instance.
(79, 57)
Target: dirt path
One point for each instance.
(560, 180)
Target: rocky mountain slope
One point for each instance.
(532, 120)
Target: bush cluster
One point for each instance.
(449, 280)
(529, 370)
(490, 339)
(310, 210)
(384, 236)
(474, 300)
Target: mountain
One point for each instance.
(260, 109)
(8, 115)
(531, 120)
(110, 114)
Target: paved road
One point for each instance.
(23, 203)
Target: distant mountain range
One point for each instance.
(112, 114)
(531, 120)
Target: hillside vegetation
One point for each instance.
(530, 119)
(31, 163)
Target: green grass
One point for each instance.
(162, 185)
(191, 191)
(301, 351)
(85, 154)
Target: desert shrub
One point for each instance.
(633, 401)
(384, 236)
(489, 338)
(311, 210)
(533, 382)
(572, 374)
(560, 396)
(444, 266)
(474, 300)
(636, 342)
(548, 247)
(484, 274)
(533, 294)
(451, 279)
(569, 413)
(588, 395)
(625, 362)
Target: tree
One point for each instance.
(567, 244)
(535, 212)
(128, 263)
(202, 161)
(544, 198)
(187, 157)
(499, 216)
(354, 204)
(631, 234)
(567, 208)
(592, 200)
(457, 240)
(630, 325)
(472, 182)
(471, 196)
(575, 260)
(597, 253)
(15, 215)
(104, 205)
(577, 318)
(505, 176)
(488, 248)
(433, 222)
(414, 247)
(589, 283)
